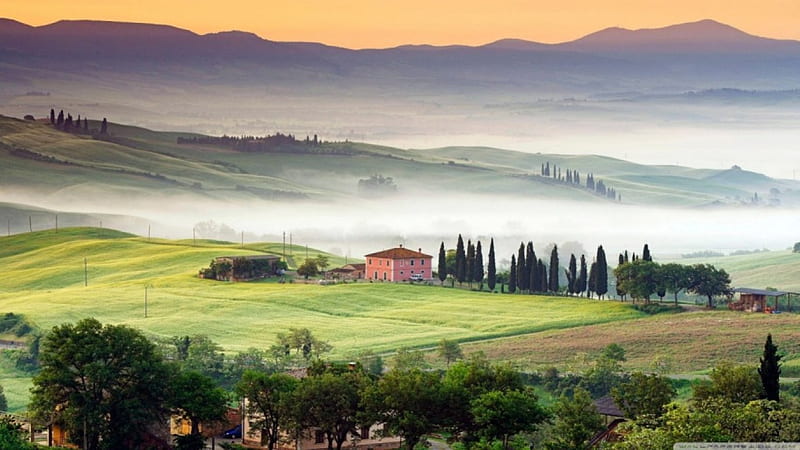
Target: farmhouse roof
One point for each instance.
(759, 292)
(399, 253)
(607, 407)
(360, 266)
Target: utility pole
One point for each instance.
(30, 224)
(9, 228)
(148, 233)
(290, 243)
(284, 246)
(85, 272)
(242, 239)
(194, 241)
(56, 223)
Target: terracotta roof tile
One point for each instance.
(398, 253)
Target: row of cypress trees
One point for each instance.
(74, 125)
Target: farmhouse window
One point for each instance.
(412, 262)
(370, 260)
(401, 272)
(319, 437)
(365, 432)
(421, 262)
(384, 275)
(376, 275)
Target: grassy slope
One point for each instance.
(777, 269)
(43, 279)
(138, 155)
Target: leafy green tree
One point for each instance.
(614, 352)
(3, 401)
(250, 359)
(442, 264)
(410, 404)
(106, 384)
(197, 398)
(12, 437)
(406, 359)
(512, 276)
(303, 342)
(770, 370)
(522, 271)
(268, 403)
(709, 281)
(491, 268)
(576, 421)
(643, 396)
(502, 414)
(309, 268)
(331, 403)
(675, 278)
(734, 384)
(461, 261)
(795, 249)
(553, 278)
(601, 286)
(449, 351)
(638, 278)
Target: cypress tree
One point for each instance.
(626, 256)
(582, 277)
(572, 275)
(104, 126)
(478, 265)
(52, 116)
(541, 268)
(553, 286)
(770, 370)
(592, 280)
(442, 264)
(512, 276)
(646, 253)
(469, 271)
(60, 119)
(85, 124)
(522, 273)
(530, 267)
(491, 269)
(601, 286)
(534, 283)
(461, 261)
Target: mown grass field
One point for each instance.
(44, 280)
(776, 269)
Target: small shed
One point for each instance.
(756, 300)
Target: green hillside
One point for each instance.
(132, 161)
(775, 269)
(44, 280)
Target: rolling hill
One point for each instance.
(131, 162)
(44, 280)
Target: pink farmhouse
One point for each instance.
(398, 264)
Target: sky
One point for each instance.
(387, 23)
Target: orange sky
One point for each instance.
(385, 23)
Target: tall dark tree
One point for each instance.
(619, 287)
(553, 285)
(541, 269)
(442, 264)
(512, 276)
(707, 280)
(268, 403)
(461, 261)
(583, 277)
(477, 266)
(52, 116)
(572, 275)
(522, 271)
(646, 253)
(592, 284)
(530, 267)
(491, 269)
(626, 256)
(469, 271)
(601, 286)
(85, 124)
(60, 119)
(770, 370)
(104, 126)
(197, 398)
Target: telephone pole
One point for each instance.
(85, 272)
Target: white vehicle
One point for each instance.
(416, 277)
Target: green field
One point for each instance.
(44, 280)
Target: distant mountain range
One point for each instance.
(235, 82)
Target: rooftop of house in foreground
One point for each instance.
(399, 253)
